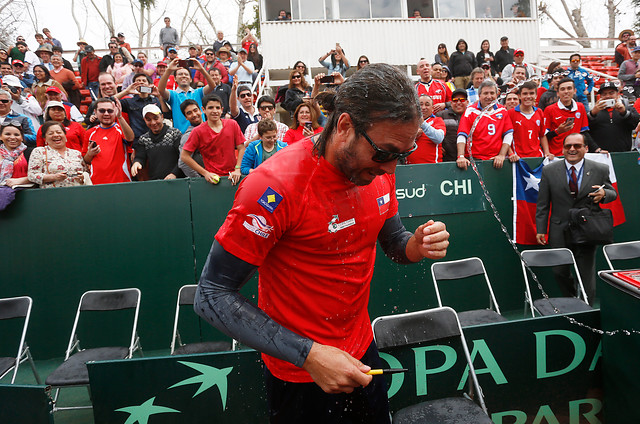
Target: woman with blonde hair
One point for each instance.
(298, 88)
(305, 124)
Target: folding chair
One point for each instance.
(186, 295)
(433, 325)
(73, 371)
(10, 308)
(621, 251)
(549, 258)
(464, 268)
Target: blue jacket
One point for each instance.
(253, 155)
(27, 128)
(579, 76)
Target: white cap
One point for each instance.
(151, 109)
(12, 81)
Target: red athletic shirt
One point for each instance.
(110, 165)
(527, 132)
(436, 89)
(556, 114)
(292, 135)
(313, 234)
(428, 151)
(75, 137)
(218, 149)
(487, 136)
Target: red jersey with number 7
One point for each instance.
(486, 140)
(527, 132)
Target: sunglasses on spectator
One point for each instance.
(12, 123)
(106, 110)
(300, 66)
(382, 156)
(267, 107)
(209, 53)
(243, 95)
(4, 101)
(364, 61)
(575, 60)
(458, 100)
(296, 77)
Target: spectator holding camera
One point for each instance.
(339, 62)
(134, 99)
(305, 124)
(610, 121)
(184, 90)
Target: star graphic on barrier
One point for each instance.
(140, 414)
(209, 377)
(532, 182)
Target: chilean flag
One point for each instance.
(525, 195)
(526, 184)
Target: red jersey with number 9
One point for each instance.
(488, 133)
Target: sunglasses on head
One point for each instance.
(382, 156)
(12, 123)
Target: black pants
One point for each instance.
(585, 256)
(307, 403)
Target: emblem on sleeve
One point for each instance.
(258, 226)
(270, 199)
(383, 203)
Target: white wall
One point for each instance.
(395, 41)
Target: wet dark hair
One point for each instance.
(375, 93)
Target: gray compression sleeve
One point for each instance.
(393, 238)
(219, 302)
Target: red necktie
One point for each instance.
(573, 183)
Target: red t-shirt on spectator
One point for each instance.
(556, 114)
(20, 167)
(75, 137)
(111, 164)
(527, 132)
(294, 135)
(218, 149)
(436, 89)
(428, 151)
(486, 141)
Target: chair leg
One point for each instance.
(33, 367)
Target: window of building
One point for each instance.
(386, 9)
(452, 9)
(425, 7)
(273, 7)
(517, 8)
(489, 8)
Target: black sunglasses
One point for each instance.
(5, 101)
(382, 156)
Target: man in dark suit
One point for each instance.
(572, 183)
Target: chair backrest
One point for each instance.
(459, 269)
(548, 258)
(621, 251)
(429, 325)
(108, 300)
(15, 307)
(186, 295)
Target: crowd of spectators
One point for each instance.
(198, 116)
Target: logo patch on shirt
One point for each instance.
(383, 203)
(335, 226)
(577, 114)
(258, 226)
(270, 199)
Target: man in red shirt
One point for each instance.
(529, 140)
(90, 70)
(107, 142)
(492, 136)
(436, 89)
(217, 140)
(430, 135)
(565, 117)
(309, 218)
(211, 62)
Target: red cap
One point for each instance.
(17, 62)
(518, 51)
(53, 89)
(161, 63)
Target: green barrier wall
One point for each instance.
(58, 243)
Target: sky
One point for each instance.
(56, 16)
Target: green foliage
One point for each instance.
(255, 24)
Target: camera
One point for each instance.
(329, 79)
(610, 103)
(145, 89)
